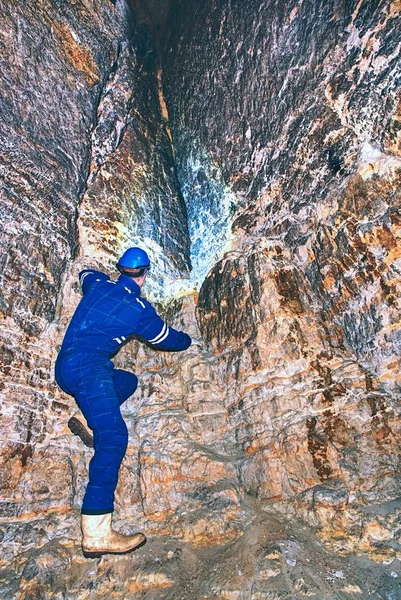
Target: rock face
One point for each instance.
(254, 150)
(302, 313)
(55, 60)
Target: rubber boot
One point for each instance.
(99, 538)
(78, 426)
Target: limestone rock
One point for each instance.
(254, 150)
(302, 313)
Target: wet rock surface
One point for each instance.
(254, 150)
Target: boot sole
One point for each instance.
(100, 553)
(78, 429)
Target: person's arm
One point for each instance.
(88, 276)
(153, 329)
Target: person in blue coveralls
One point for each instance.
(110, 312)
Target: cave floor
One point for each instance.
(276, 558)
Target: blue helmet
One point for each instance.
(134, 258)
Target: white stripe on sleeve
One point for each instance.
(155, 340)
(164, 337)
(81, 279)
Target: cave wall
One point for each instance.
(55, 60)
(301, 119)
(86, 170)
(83, 100)
(256, 156)
(75, 88)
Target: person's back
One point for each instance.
(110, 312)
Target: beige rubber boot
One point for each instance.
(78, 426)
(99, 538)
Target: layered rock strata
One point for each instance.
(259, 162)
(302, 314)
(56, 58)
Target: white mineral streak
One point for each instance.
(209, 220)
(375, 162)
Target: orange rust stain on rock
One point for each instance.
(385, 237)
(148, 582)
(395, 8)
(254, 447)
(162, 516)
(78, 56)
(393, 255)
(328, 282)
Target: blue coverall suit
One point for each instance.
(108, 314)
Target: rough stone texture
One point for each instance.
(260, 147)
(302, 314)
(55, 59)
(132, 174)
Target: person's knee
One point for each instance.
(121, 435)
(125, 384)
